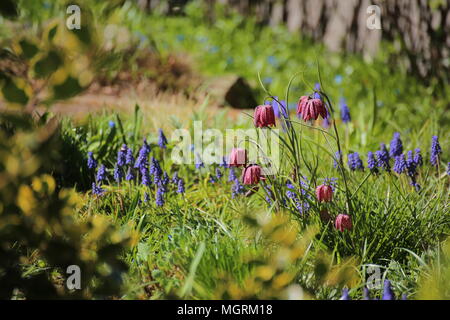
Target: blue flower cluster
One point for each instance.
(403, 164)
(149, 174)
(388, 293)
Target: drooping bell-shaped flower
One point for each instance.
(238, 157)
(343, 222)
(310, 108)
(264, 116)
(251, 175)
(324, 193)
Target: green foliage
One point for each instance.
(40, 233)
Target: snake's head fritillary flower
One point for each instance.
(324, 193)
(343, 222)
(251, 175)
(238, 157)
(264, 116)
(310, 108)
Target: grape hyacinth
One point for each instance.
(175, 178)
(302, 207)
(121, 155)
(345, 112)
(97, 189)
(101, 173)
(146, 180)
(130, 175)
(91, 163)
(164, 182)
(219, 174)
(232, 175)
(418, 158)
(400, 164)
(388, 294)
(129, 159)
(269, 194)
(332, 182)
(354, 162)
(146, 197)
(396, 147)
(118, 174)
(224, 163)
(275, 105)
(155, 170)
(317, 88)
(383, 158)
(345, 295)
(448, 168)
(372, 162)
(338, 158)
(162, 140)
(366, 294)
(326, 123)
(411, 165)
(180, 187)
(237, 189)
(198, 162)
(142, 159)
(435, 151)
(159, 197)
(212, 179)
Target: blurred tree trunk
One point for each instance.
(419, 29)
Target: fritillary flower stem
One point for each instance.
(341, 160)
